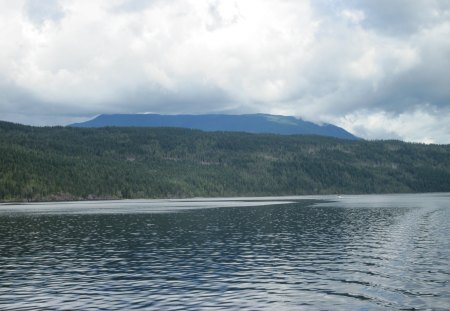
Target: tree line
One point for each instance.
(64, 163)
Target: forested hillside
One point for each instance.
(76, 163)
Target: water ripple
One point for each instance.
(360, 253)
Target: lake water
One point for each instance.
(380, 252)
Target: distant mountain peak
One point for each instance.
(250, 123)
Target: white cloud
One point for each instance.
(423, 124)
(353, 16)
(324, 61)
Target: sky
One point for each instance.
(378, 68)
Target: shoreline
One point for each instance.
(249, 200)
(274, 198)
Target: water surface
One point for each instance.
(355, 253)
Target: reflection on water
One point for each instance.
(358, 253)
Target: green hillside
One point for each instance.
(75, 163)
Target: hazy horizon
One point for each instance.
(378, 69)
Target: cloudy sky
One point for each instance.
(378, 68)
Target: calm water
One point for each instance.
(358, 253)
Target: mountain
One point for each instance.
(250, 123)
(66, 163)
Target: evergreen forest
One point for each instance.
(66, 163)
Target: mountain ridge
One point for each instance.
(249, 123)
(69, 163)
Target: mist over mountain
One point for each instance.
(250, 123)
